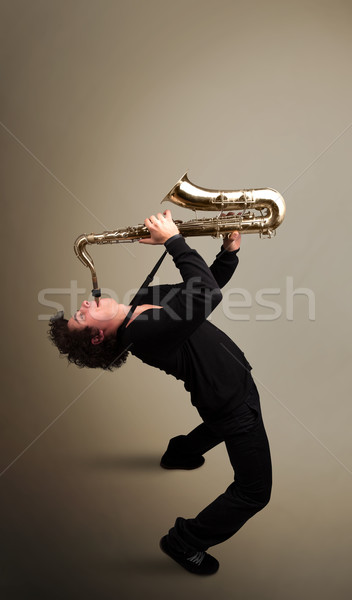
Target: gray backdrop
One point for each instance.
(104, 105)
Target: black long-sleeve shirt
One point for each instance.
(179, 340)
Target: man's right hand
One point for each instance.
(161, 228)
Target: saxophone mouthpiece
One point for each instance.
(96, 293)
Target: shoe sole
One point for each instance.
(182, 467)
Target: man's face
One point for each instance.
(100, 317)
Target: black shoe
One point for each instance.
(177, 456)
(199, 563)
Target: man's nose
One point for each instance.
(85, 304)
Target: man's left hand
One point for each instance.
(232, 241)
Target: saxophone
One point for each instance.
(261, 211)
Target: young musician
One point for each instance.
(169, 330)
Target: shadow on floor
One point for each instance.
(143, 565)
(124, 462)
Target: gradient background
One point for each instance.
(104, 105)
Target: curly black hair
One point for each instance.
(78, 348)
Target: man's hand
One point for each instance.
(161, 228)
(232, 241)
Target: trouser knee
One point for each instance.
(264, 499)
(257, 500)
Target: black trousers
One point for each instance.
(248, 449)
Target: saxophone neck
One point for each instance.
(80, 248)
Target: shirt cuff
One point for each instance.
(174, 237)
(231, 252)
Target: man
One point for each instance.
(170, 331)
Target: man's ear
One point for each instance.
(98, 338)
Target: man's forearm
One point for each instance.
(224, 266)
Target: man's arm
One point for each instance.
(190, 303)
(224, 266)
(194, 271)
(164, 230)
(226, 261)
(199, 294)
(222, 269)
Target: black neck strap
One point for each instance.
(143, 287)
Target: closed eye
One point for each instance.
(78, 314)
